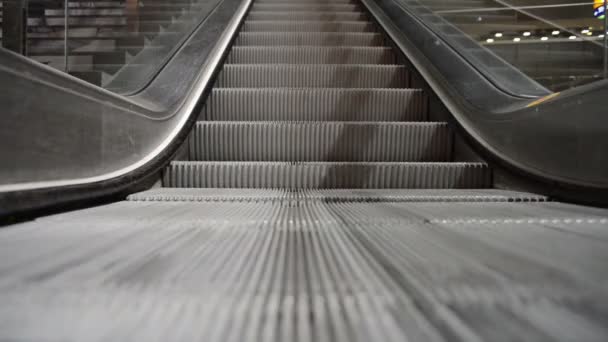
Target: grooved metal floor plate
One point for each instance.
(307, 271)
(334, 195)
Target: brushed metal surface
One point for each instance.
(312, 76)
(323, 175)
(320, 141)
(309, 270)
(311, 55)
(309, 39)
(315, 104)
(334, 195)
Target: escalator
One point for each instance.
(320, 196)
(317, 99)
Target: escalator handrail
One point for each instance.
(559, 140)
(514, 82)
(91, 143)
(130, 73)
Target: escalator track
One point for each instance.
(317, 199)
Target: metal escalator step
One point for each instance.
(330, 104)
(365, 39)
(321, 141)
(306, 7)
(326, 175)
(334, 195)
(301, 15)
(307, 26)
(307, 2)
(312, 76)
(311, 55)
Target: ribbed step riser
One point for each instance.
(305, 7)
(312, 76)
(309, 39)
(308, 16)
(315, 105)
(308, 26)
(326, 175)
(336, 141)
(311, 55)
(308, 2)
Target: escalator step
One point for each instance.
(266, 7)
(326, 175)
(311, 55)
(272, 104)
(320, 141)
(301, 15)
(364, 39)
(334, 195)
(312, 76)
(307, 2)
(308, 26)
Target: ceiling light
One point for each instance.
(572, 37)
(555, 33)
(527, 34)
(498, 35)
(585, 31)
(544, 38)
(590, 33)
(490, 40)
(601, 36)
(516, 39)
